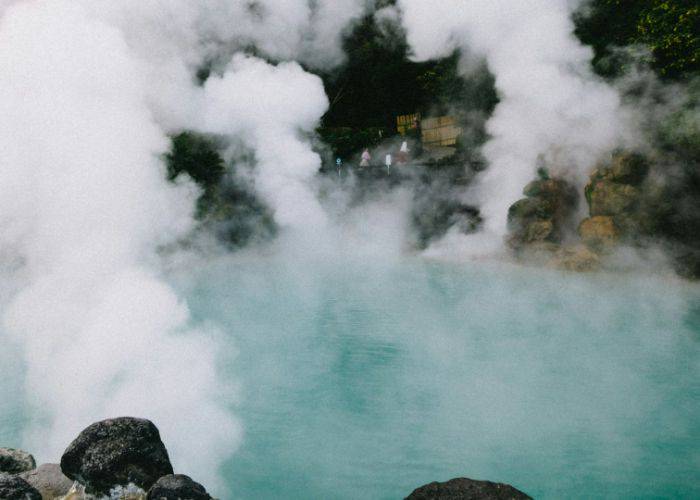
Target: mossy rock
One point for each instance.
(599, 232)
(611, 198)
(539, 230)
(528, 209)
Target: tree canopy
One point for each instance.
(670, 29)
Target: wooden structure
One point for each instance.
(404, 123)
(440, 131)
(436, 132)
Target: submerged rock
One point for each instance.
(15, 461)
(467, 489)
(16, 488)
(49, 480)
(117, 452)
(177, 487)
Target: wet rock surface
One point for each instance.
(467, 489)
(49, 480)
(177, 487)
(117, 452)
(16, 488)
(15, 461)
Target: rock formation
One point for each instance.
(117, 452)
(621, 209)
(176, 487)
(49, 480)
(467, 489)
(16, 488)
(542, 216)
(15, 461)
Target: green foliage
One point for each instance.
(197, 156)
(670, 29)
(379, 82)
(226, 205)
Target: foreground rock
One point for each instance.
(117, 452)
(49, 480)
(177, 487)
(15, 461)
(467, 489)
(16, 488)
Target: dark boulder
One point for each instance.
(15, 461)
(117, 452)
(177, 487)
(467, 489)
(49, 480)
(16, 488)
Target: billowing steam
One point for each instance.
(552, 110)
(269, 107)
(85, 203)
(89, 91)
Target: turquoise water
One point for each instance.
(366, 379)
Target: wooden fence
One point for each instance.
(440, 131)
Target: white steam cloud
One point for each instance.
(89, 91)
(551, 108)
(270, 107)
(85, 203)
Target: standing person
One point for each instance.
(388, 161)
(339, 164)
(403, 154)
(365, 159)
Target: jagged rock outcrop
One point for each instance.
(177, 487)
(621, 209)
(117, 452)
(467, 489)
(49, 480)
(15, 461)
(543, 214)
(16, 488)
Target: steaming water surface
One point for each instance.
(365, 379)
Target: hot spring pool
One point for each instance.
(368, 378)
